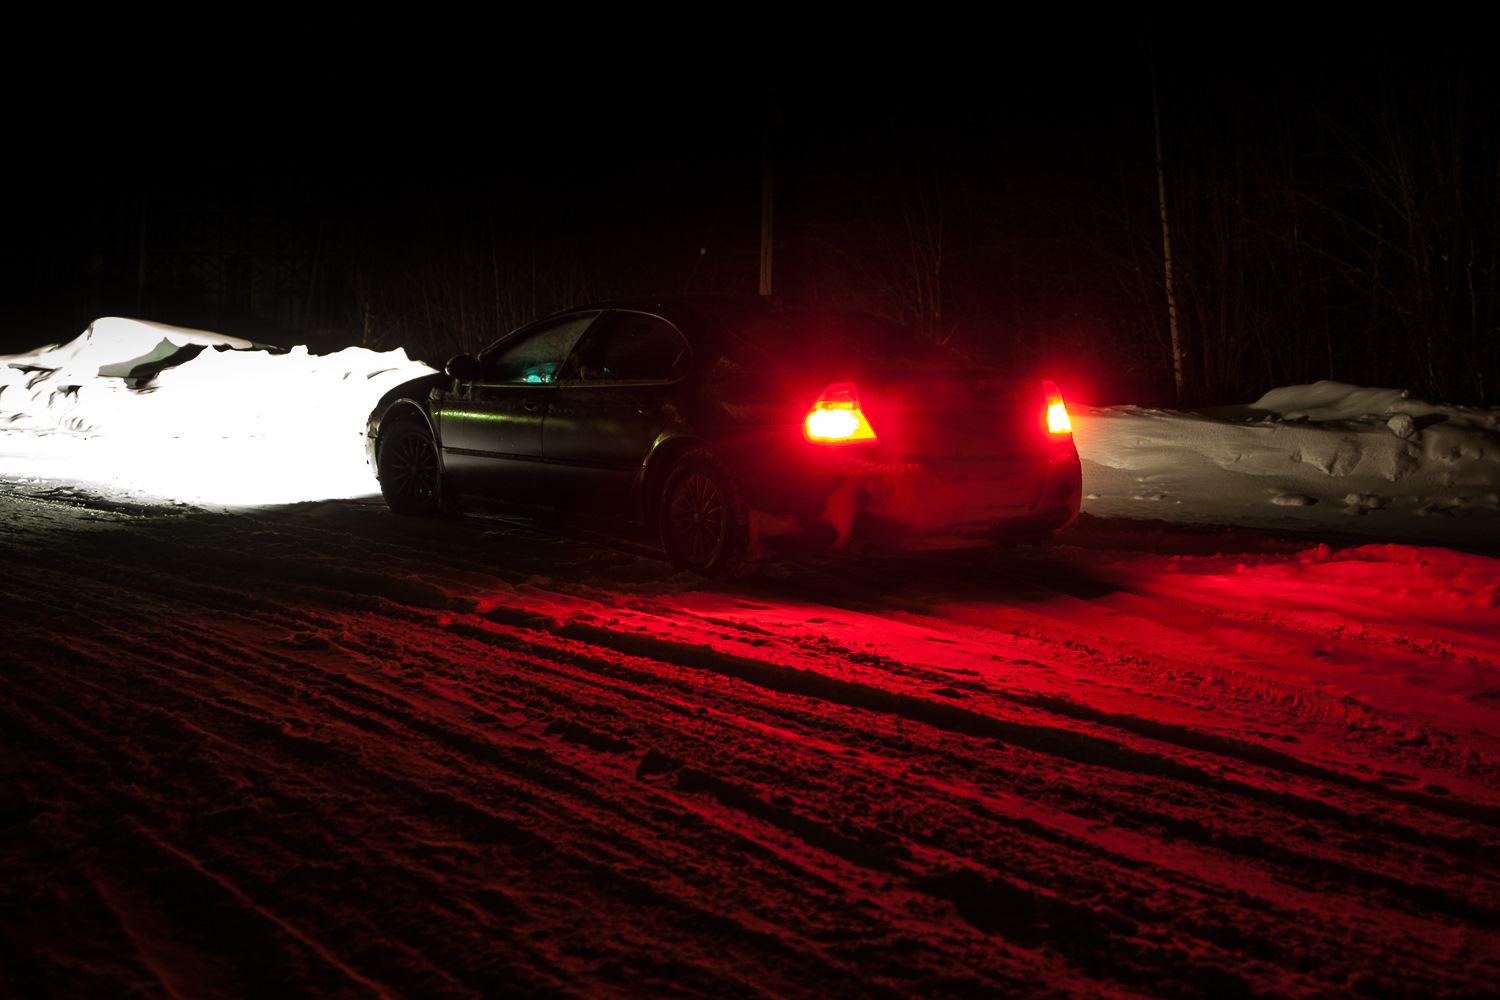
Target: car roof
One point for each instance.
(726, 309)
(770, 333)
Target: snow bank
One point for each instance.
(194, 415)
(1342, 456)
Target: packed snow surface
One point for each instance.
(205, 418)
(320, 750)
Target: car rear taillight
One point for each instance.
(836, 417)
(1057, 413)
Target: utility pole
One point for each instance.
(140, 260)
(1166, 236)
(767, 195)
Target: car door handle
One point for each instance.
(533, 403)
(646, 408)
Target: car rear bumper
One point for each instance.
(933, 505)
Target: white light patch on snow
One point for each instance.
(230, 425)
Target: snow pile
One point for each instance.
(1369, 460)
(194, 415)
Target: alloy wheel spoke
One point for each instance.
(698, 517)
(415, 469)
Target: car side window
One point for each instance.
(635, 347)
(537, 356)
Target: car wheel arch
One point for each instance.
(404, 413)
(411, 476)
(705, 524)
(659, 464)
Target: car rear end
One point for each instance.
(881, 438)
(935, 460)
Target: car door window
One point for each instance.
(635, 347)
(535, 356)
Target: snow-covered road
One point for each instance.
(320, 750)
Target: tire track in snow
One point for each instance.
(430, 804)
(713, 789)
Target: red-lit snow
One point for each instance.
(321, 750)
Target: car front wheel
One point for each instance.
(705, 522)
(410, 479)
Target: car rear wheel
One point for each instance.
(705, 523)
(410, 479)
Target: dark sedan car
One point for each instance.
(726, 425)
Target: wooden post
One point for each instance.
(1166, 236)
(140, 260)
(767, 197)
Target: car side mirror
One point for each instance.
(463, 368)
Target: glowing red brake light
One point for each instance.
(1057, 413)
(836, 417)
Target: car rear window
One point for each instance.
(833, 341)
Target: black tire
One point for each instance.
(410, 479)
(705, 522)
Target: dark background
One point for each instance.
(1333, 190)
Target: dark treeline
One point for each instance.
(1336, 226)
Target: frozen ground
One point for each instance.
(318, 750)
